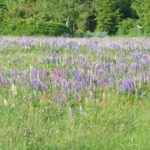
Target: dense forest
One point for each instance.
(78, 17)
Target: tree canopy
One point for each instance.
(78, 15)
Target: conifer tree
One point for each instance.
(108, 16)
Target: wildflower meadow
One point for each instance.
(74, 93)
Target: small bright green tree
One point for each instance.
(142, 8)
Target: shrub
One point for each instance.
(18, 27)
(25, 27)
(128, 27)
(32, 26)
(53, 28)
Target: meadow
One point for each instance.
(74, 94)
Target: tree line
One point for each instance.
(114, 17)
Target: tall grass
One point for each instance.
(74, 94)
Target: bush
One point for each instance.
(25, 27)
(18, 27)
(128, 27)
(53, 29)
(31, 26)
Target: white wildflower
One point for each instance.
(81, 111)
(70, 113)
(5, 102)
(14, 90)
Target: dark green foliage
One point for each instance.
(18, 27)
(86, 17)
(22, 17)
(53, 29)
(33, 27)
(126, 10)
(3, 8)
(108, 16)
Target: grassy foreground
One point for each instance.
(96, 116)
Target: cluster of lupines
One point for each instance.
(122, 65)
(140, 44)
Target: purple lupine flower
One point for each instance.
(36, 73)
(45, 86)
(136, 67)
(68, 88)
(122, 67)
(81, 84)
(76, 96)
(36, 84)
(107, 68)
(128, 85)
(47, 73)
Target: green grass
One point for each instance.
(109, 123)
(114, 124)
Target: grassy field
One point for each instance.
(74, 94)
